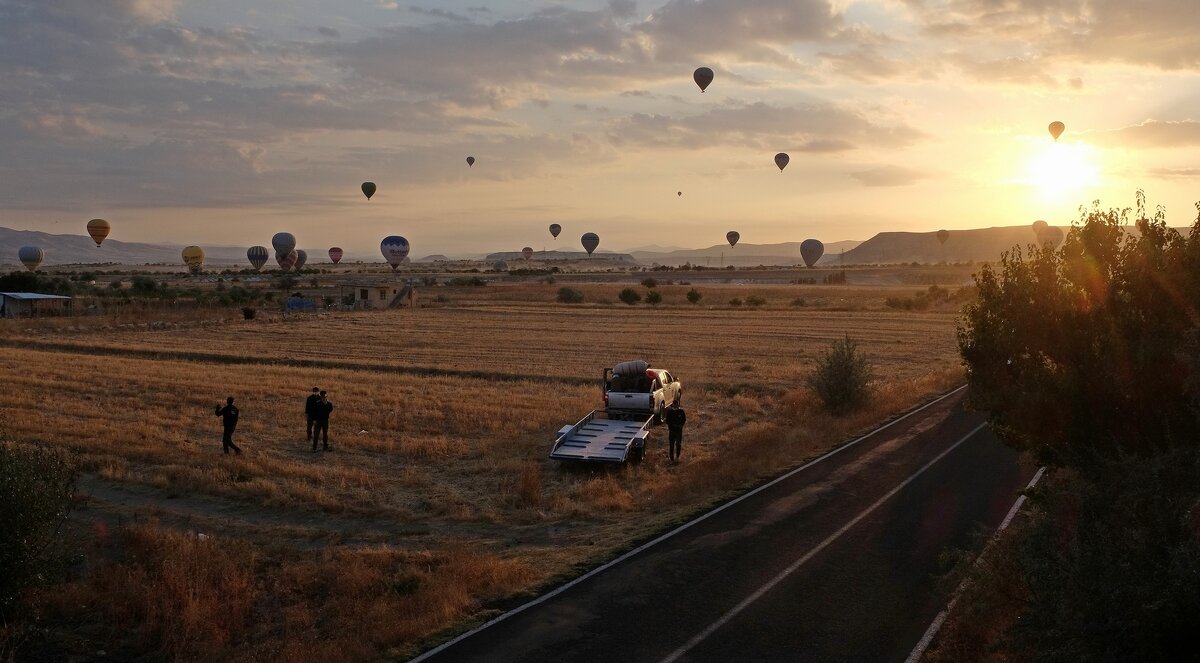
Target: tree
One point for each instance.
(36, 485)
(650, 283)
(694, 296)
(1088, 352)
(653, 297)
(842, 377)
(629, 296)
(569, 295)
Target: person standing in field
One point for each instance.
(321, 428)
(310, 413)
(229, 419)
(675, 418)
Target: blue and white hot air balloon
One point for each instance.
(394, 249)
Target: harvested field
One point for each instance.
(443, 418)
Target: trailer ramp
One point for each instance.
(598, 438)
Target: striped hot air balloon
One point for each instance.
(193, 257)
(286, 260)
(31, 256)
(258, 256)
(301, 258)
(98, 229)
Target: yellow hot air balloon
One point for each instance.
(193, 257)
(98, 229)
(1056, 129)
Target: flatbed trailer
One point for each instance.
(601, 437)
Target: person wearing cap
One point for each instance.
(321, 427)
(229, 419)
(310, 413)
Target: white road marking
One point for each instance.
(699, 519)
(935, 626)
(733, 612)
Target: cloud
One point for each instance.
(437, 13)
(814, 127)
(332, 33)
(1149, 134)
(888, 176)
(865, 63)
(1175, 173)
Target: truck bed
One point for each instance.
(599, 438)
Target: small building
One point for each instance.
(32, 304)
(384, 295)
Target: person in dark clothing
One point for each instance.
(310, 413)
(675, 418)
(229, 419)
(321, 425)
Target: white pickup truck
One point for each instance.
(634, 387)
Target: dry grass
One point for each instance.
(450, 468)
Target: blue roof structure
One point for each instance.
(31, 295)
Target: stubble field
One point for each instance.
(438, 499)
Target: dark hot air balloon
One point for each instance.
(942, 236)
(1056, 129)
(31, 256)
(555, 229)
(394, 249)
(98, 229)
(301, 258)
(811, 251)
(782, 160)
(500, 266)
(257, 255)
(1050, 237)
(527, 252)
(1039, 227)
(678, 193)
(732, 237)
(470, 161)
(590, 241)
(368, 189)
(335, 254)
(283, 243)
(703, 77)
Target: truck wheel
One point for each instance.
(637, 455)
(658, 415)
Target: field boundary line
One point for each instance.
(217, 358)
(782, 575)
(936, 625)
(695, 521)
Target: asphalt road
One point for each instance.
(835, 562)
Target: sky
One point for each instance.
(221, 122)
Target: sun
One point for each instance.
(1062, 170)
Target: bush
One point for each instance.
(694, 296)
(755, 300)
(629, 296)
(736, 301)
(475, 281)
(799, 301)
(842, 377)
(650, 283)
(36, 485)
(569, 295)
(653, 297)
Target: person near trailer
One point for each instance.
(322, 411)
(310, 413)
(229, 419)
(675, 418)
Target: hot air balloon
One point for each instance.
(257, 255)
(98, 229)
(394, 249)
(470, 161)
(193, 257)
(811, 251)
(782, 160)
(732, 237)
(283, 243)
(335, 254)
(1056, 128)
(301, 258)
(703, 76)
(31, 256)
(590, 241)
(555, 229)
(942, 236)
(286, 260)
(368, 189)
(678, 193)
(1050, 238)
(500, 266)
(527, 252)
(1039, 227)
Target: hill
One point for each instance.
(80, 249)
(742, 255)
(514, 257)
(980, 245)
